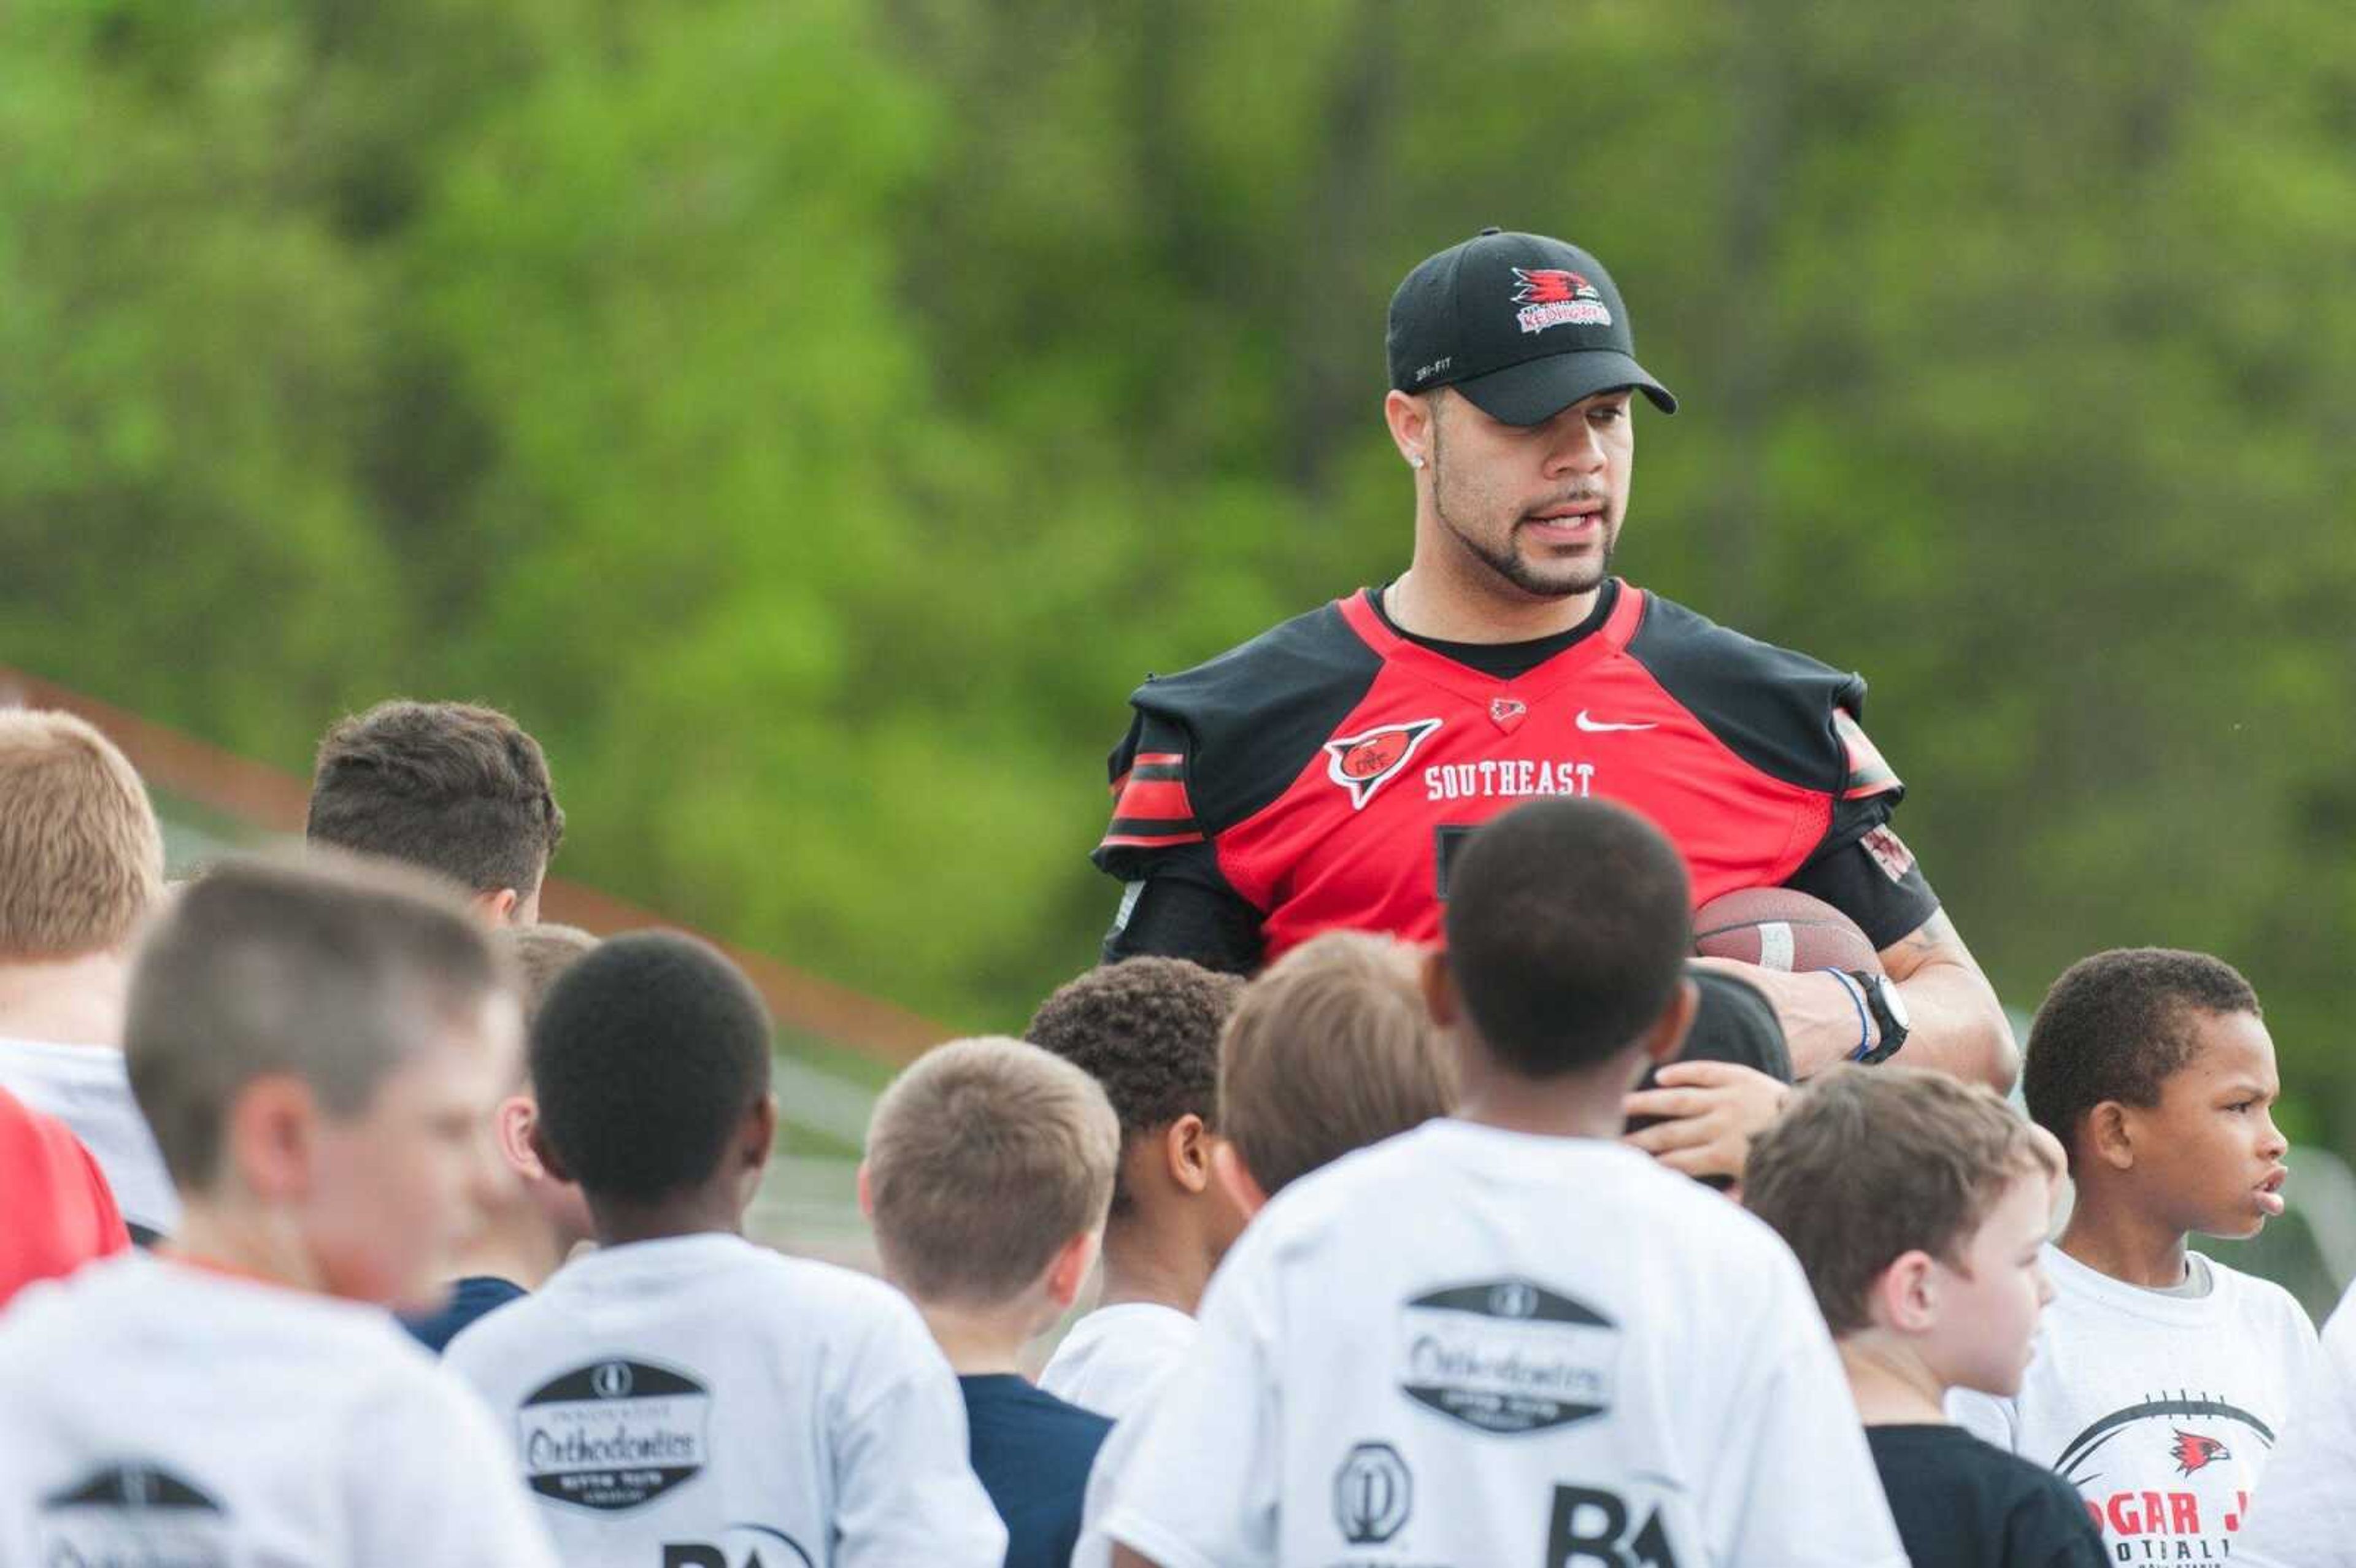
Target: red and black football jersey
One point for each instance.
(1320, 775)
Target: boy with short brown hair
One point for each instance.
(1917, 1205)
(989, 1170)
(1147, 1031)
(2161, 1376)
(82, 864)
(315, 1048)
(457, 788)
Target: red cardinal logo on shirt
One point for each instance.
(1363, 762)
(2194, 1452)
(1551, 285)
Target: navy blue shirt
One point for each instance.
(1032, 1452)
(1962, 1503)
(469, 1299)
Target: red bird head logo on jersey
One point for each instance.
(2194, 1452)
(1363, 762)
(1551, 285)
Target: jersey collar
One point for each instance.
(1473, 685)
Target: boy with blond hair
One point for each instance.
(681, 1396)
(1918, 1207)
(2161, 1376)
(1505, 1337)
(533, 1221)
(989, 1170)
(1147, 1031)
(82, 864)
(315, 1048)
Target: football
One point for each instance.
(1777, 928)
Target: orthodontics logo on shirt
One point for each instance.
(613, 1435)
(132, 1513)
(1507, 1356)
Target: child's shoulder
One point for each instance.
(2259, 1300)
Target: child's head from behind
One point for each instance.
(650, 1070)
(989, 1170)
(316, 1048)
(81, 859)
(1328, 1050)
(1918, 1206)
(2155, 1071)
(1147, 1031)
(1569, 923)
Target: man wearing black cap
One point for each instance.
(1322, 774)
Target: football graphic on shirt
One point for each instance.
(2169, 1477)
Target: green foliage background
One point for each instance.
(812, 418)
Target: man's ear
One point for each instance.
(760, 1136)
(1069, 1269)
(1667, 1035)
(1233, 1175)
(1440, 994)
(272, 1128)
(1186, 1151)
(2110, 1134)
(538, 1133)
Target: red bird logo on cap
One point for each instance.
(1551, 285)
(2194, 1452)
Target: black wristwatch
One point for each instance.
(1890, 1019)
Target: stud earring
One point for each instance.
(1415, 461)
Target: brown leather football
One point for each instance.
(1777, 928)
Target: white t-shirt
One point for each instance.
(1116, 1354)
(87, 1088)
(151, 1411)
(1471, 1346)
(1119, 1450)
(702, 1400)
(2159, 1408)
(2305, 1513)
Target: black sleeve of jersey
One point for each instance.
(1848, 874)
(1186, 910)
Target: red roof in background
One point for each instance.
(276, 802)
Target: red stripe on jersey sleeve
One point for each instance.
(1144, 841)
(1155, 800)
(1159, 759)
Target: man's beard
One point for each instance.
(1509, 562)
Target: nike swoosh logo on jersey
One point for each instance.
(1603, 726)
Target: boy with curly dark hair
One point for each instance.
(1148, 1030)
(2160, 1376)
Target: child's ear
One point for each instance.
(866, 1194)
(1069, 1270)
(270, 1130)
(1667, 1035)
(498, 908)
(1905, 1296)
(1233, 1175)
(761, 1133)
(1439, 998)
(1186, 1150)
(2110, 1134)
(511, 1127)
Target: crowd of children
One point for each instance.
(1393, 1262)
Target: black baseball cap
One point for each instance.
(1522, 326)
